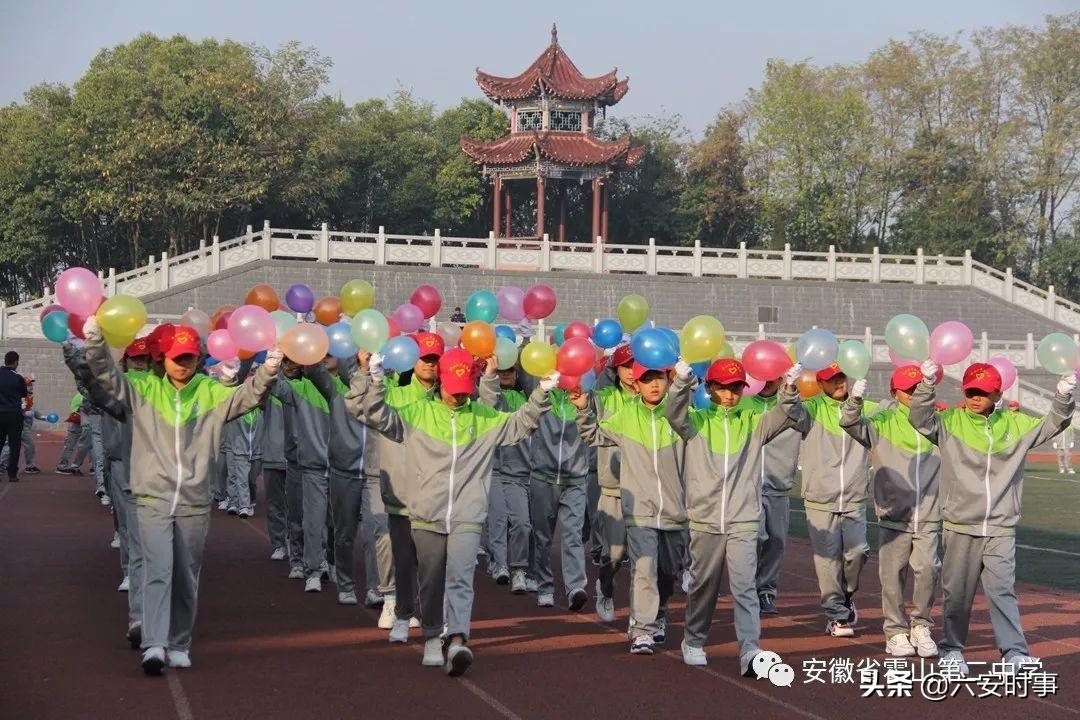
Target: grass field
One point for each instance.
(1048, 538)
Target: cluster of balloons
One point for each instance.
(79, 295)
(910, 341)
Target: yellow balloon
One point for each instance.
(702, 338)
(538, 359)
(120, 342)
(356, 295)
(121, 316)
(633, 310)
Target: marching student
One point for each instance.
(452, 440)
(274, 469)
(835, 483)
(983, 451)
(723, 450)
(651, 485)
(72, 441)
(1063, 446)
(909, 516)
(173, 497)
(243, 440)
(90, 416)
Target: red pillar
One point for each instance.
(539, 206)
(496, 192)
(509, 214)
(562, 212)
(595, 210)
(604, 215)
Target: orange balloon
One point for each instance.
(264, 296)
(328, 310)
(807, 384)
(244, 354)
(478, 338)
(219, 312)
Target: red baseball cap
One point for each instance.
(982, 376)
(941, 406)
(429, 344)
(456, 371)
(640, 370)
(623, 355)
(140, 347)
(185, 341)
(1014, 404)
(906, 377)
(726, 371)
(159, 339)
(829, 372)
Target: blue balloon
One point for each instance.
(588, 381)
(654, 349)
(607, 333)
(701, 368)
(210, 362)
(342, 344)
(507, 332)
(52, 417)
(401, 353)
(673, 336)
(560, 334)
(55, 326)
(260, 357)
(702, 400)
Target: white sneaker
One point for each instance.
(532, 585)
(386, 617)
(373, 598)
(433, 656)
(115, 542)
(661, 631)
(414, 622)
(954, 661)
(106, 501)
(685, 582)
(838, 628)
(1017, 663)
(223, 505)
(546, 600)
(313, 584)
(899, 646)
(694, 656)
(346, 598)
(179, 659)
(458, 659)
(278, 554)
(923, 642)
(296, 572)
(246, 512)
(153, 660)
(605, 606)
(399, 633)
(501, 576)
(124, 584)
(517, 582)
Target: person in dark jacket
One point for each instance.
(12, 391)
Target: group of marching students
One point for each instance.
(458, 459)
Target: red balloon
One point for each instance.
(47, 310)
(539, 302)
(765, 359)
(223, 320)
(569, 382)
(75, 325)
(428, 299)
(395, 329)
(577, 329)
(575, 357)
(216, 316)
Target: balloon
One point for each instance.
(393, 329)
(607, 333)
(401, 353)
(577, 329)
(305, 343)
(260, 357)
(252, 328)
(951, 343)
(221, 346)
(908, 336)
(900, 361)
(653, 348)
(511, 301)
(632, 312)
(478, 338)
(482, 306)
(807, 384)
(672, 336)
(505, 353)
(79, 291)
(117, 341)
(54, 326)
(1057, 353)
(700, 368)
(559, 335)
(701, 339)
(210, 362)
(1006, 369)
(370, 330)
(753, 385)
(198, 321)
(328, 310)
(588, 381)
(450, 333)
(765, 359)
(793, 352)
(246, 354)
(409, 317)
(356, 295)
(702, 401)
(854, 359)
(75, 325)
(216, 322)
(507, 332)
(428, 299)
(341, 340)
(264, 296)
(282, 321)
(817, 349)
(538, 359)
(52, 417)
(49, 309)
(569, 382)
(726, 351)
(575, 357)
(539, 302)
(299, 298)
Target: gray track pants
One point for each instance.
(591, 535)
(611, 529)
(655, 559)
(709, 553)
(276, 512)
(294, 506)
(840, 551)
(219, 478)
(403, 550)
(97, 451)
(346, 507)
(897, 550)
(564, 504)
(378, 556)
(127, 520)
(446, 564)
(509, 523)
(85, 441)
(172, 549)
(71, 443)
(242, 473)
(772, 537)
(316, 487)
(967, 560)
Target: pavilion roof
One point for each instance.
(568, 148)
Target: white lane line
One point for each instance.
(1055, 479)
(179, 697)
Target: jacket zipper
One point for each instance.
(656, 470)
(723, 489)
(176, 449)
(918, 482)
(453, 465)
(843, 456)
(986, 478)
(558, 465)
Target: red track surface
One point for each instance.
(264, 649)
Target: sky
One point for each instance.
(685, 58)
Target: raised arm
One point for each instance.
(321, 378)
(490, 391)
(677, 410)
(793, 407)
(591, 431)
(524, 421)
(854, 424)
(1060, 415)
(772, 423)
(103, 371)
(366, 401)
(252, 393)
(923, 416)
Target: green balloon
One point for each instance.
(854, 359)
(633, 310)
(1056, 353)
(482, 305)
(908, 337)
(505, 353)
(370, 330)
(282, 321)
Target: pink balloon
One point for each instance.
(252, 328)
(428, 299)
(451, 334)
(221, 346)
(392, 328)
(79, 291)
(753, 385)
(951, 343)
(765, 359)
(511, 303)
(1006, 369)
(409, 317)
(902, 361)
(575, 357)
(539, 302)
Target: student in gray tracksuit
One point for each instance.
(274, 468)
(906, 473)
(243, 443)
(91, 429)
(983, 451)
(723, 450)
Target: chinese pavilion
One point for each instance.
(553, 116)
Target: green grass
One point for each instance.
(1050, 521)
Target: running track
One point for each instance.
(264, 649)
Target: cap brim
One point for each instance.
(456, 385)
(728, 381)
(975, 385)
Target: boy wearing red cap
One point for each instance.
(909, 516)
(835, 482)
(983, 451)
(452, 441)
(726, 440)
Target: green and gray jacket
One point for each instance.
(348, 450)
(606, 402)
(651, 469)
(245, 435)
(723, 451)
(559, 456)
(513, 463)
(834, 474)
(779, 459)
(307, 420)
(906, 464)
(982, 459)
(453, 450)
(274, 435)
(176, 434)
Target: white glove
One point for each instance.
(682, 369)
(858, 389)
(610, 351)
(273, 359)
(525, 329)
(375, 367)
(228, 371)
(930, 369)
(1067, 384)
(793, 374)
(550, 382)
(90, 327)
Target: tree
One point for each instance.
(717, 202)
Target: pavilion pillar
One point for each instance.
(539, 206)
(496, 201)
(604, 215)
(562, 212)
(509, 214)
(595, 209)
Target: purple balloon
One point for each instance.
(299, 298)
(409, 317)
(951, 343)
(511, 303)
